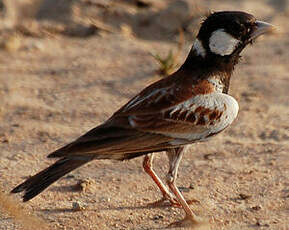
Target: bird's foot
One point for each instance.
(163, 202)
(176, 204)
(192, 223)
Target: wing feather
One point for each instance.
(162, 116)
(113, 142)
(193, 119)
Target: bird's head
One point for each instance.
(225, 34)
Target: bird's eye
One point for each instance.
(242, 29)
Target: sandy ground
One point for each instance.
(57, 87)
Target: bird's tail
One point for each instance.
(37, 183)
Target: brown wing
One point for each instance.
(165, 94)
(114, 142)
(145, 124)
(192, 120)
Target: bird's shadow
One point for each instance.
(113, 208)
(110, 208)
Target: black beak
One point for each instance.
(261, 28)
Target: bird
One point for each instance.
(189, 106)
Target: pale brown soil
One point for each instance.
(55, 87)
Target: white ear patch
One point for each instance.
(198, 47)
(222, 43)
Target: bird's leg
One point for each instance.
(175, 156)
(147, 165)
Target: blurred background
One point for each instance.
(67, 65)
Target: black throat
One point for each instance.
(200, 68)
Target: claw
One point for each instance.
(176, 204)
(159, 203)
(165, 202)
(173, 202)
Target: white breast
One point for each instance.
(224, 103)
(230, 112)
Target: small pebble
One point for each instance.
(191, 186)
(157, 217)
(244, 196)
(256, 207)
(84, 185)
(260, 224)
(78, 206)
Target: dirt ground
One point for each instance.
(58, 85)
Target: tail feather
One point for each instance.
(95, 140)
(39, 182)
